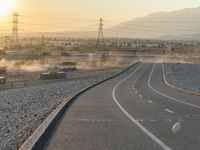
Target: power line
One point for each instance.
(59, 18)
(130, 27)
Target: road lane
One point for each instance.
(80, 129)
(142, 128)
(187, 115)
(144, 121)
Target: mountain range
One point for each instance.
(180, 24)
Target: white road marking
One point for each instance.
(143, 129)
(152, 120)
(139, 76)
(140, 95)
(187, 115)
(151, 102)
(196, 115)
(138, 79)
(169, 97)
(95, 120)
(170, 111)
(168, 120)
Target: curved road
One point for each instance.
(133, 111)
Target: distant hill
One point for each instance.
(183, 23)
(180, 24)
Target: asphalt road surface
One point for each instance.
(133, 111)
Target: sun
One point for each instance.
(6, 6)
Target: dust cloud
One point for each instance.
(100, 61)
(26, 66)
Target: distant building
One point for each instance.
(62, 43)
(152, 46)
(133, 45)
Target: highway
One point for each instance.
(133, 111)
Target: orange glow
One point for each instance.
(6, 6)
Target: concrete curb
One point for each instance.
(41, 135)
(177, 88)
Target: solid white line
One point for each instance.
(144, 130)
(170, 111)
(177, 100)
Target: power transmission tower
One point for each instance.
(100, 38)
(15, 36)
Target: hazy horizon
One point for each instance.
(69, 15)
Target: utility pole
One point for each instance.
(43, 42)
(31, 42)
(100, 37)
(42, 49)
(15, 36)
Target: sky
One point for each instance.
(40, 15)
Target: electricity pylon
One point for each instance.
(100, 37)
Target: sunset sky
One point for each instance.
(38, 15)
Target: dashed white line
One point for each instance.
(95, 120)
(151, 102)
(168, 120)
(170, 111)
(196, 115)
(137, 81)
(140, 95)
(152, 120)
(186, 115)
(169, 97)
(143, 129)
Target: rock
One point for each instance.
(185, 76)
(23, 110)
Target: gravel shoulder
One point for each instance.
(184, 76)
(23, 110)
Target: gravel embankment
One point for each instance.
(185, 76)
(23, 110)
